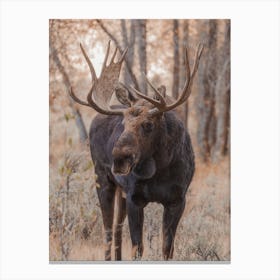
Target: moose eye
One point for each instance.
(148, 126)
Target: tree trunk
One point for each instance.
(222, 93)
(176, 59)
(78, 118)
(226, 133)
(212, 71)
(201, 98)
(141, 36)
(130, 43)
(185, 31)
(206, 98)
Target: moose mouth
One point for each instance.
(123, 165)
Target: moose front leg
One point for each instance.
(135, 220)
(171, 217)
(121, 214)
(106, 197)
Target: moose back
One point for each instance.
(141, 151)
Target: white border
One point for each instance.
(254, 128)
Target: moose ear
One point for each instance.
(125, 97)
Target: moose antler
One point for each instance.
(160, 102)
(101, 91)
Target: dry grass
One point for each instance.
(76, 231)
(204, 233)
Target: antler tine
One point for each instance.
(75, 98)
(194, 69)
(186, 89)
(106, 56)
(123, 55)
(151, 100)
(102, 88)
(158, 94)
(92, 104)
(114, 55)
(188, 84)
(197, 58)
(187, 63)
(92, 71)
(185, 93)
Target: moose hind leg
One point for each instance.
(106, 195)
(171, 217)
(121, 214)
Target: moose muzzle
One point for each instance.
(123, 165)
(124, 155)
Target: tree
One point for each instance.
(184, 43)
(176, 59)
(77, 115)
(214, 91)
(141, 44)
(206, 97)
(130, 43)
(222, 93)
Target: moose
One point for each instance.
(141, 152)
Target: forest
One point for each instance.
(155, 48)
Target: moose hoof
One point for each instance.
(137, 252)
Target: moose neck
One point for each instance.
(167, 145)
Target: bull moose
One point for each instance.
(141, 152)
